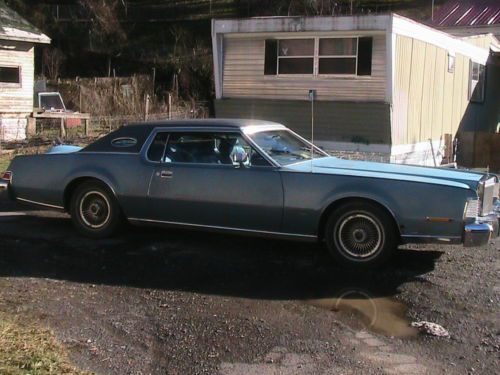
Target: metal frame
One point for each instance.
(317, 57)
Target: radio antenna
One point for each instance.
(312, 97)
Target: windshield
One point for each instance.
(284, 147)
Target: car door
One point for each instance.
(195, 182)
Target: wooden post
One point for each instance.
(147, 108)
(63, 128)
(31, 129)
(169, 106)
(86, 123)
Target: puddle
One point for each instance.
(383, 315)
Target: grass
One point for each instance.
(4, 162)
(26, 348)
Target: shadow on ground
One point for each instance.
(48, 247)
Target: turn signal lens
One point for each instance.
(7, 175)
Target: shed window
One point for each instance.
(476, 82)
(10, 74)
(319, 56)
(337, 55)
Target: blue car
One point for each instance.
(260, 178)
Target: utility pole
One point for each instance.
(432, 11)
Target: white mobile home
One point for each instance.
(385, 85)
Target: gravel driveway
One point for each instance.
(158, 301)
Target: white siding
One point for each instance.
(243, 75)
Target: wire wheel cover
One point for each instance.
(95, 209)
(359, 235)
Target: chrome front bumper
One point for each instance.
(482, 230)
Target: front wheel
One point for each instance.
(361, 235)
(94, 210)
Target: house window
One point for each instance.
(296, 56)
(9, 74)
(319, 56)
(476, 82)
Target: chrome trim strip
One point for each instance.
(103, 152)
(423, 238)
(39, 203)
(222, 228)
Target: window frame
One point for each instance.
(278, 57)
(316, 58)
(20, 75)
(319, 57)
(170, 130)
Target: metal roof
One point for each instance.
(15, 27)
(456, 13)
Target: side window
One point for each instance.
(157, 147)
(209, 148)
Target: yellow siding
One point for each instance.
(426, 120)
(436, 99)
(243, 76)
(438, 94)
(401, 90)
(17, 99)
(415, 93)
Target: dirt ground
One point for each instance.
(158, 301)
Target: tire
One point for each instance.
(94, 210)
(361, 235)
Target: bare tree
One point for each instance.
(52, 60)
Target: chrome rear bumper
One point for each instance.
(482, 230)
(4, 189)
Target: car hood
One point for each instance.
(439, 176)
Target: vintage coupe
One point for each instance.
(256, 177)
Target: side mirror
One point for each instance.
(240, 156)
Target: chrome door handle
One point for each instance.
(166, 174)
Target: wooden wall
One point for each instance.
(428, 100)
(243, 75)
(16, 99)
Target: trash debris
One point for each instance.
(430, 328)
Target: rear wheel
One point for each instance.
(94, 210)
(361, 235)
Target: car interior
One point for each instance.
(205, 148)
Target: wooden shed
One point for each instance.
(386, 85)
(17, 49)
